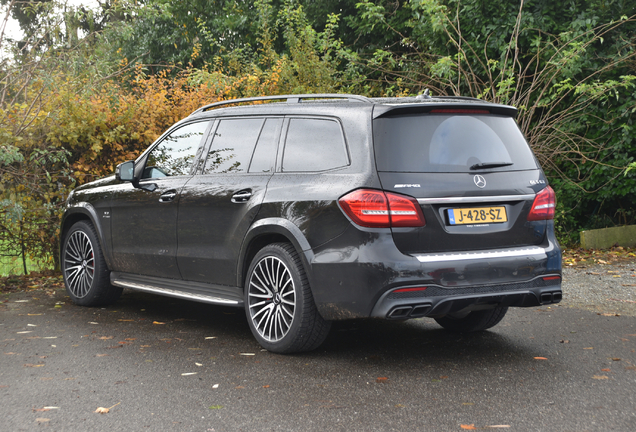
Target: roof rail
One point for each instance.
(289, 98)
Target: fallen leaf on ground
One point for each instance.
(188, 373)
(157, 322)
(616, 359)
(102, 410)
(469, 427)
(624, 301)
(247, 354)
(33, 365)
(101, 355)
(266, 386)
(105, 337)
(42, 420)
(198, 364)
(600, 377)
(589, 348)
(93, 323)
(216, 407)
(540, 358)
(215, 386)
(606, 370)
(381, 379)
(126, 320)
(211, 337)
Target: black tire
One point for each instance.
(278, 303)
(86, 277)
(474, 321)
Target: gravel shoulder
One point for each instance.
(602, 288)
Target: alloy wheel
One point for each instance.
(79, 263)
(272, 298)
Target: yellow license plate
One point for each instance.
(479, 215)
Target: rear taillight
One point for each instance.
(379, 209)
(543, 206)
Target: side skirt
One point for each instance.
(196, 291)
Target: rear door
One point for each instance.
(472, 172)
(219, 204)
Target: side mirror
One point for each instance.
(125, 171)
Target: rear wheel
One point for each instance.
(473, 321)
(279, 306)
(86, 276)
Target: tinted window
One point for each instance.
(265, 152)
(449, 143)
(233, 145)
(175, 155)
(314, 145)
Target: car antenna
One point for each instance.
(425, 95)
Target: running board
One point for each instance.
(196, 291)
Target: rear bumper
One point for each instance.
(437, 301)
(357, 282)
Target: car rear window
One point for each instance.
(450, 143)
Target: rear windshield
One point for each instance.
(450, 143)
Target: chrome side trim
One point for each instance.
(533, 251)
(173, 293)
(475, 199)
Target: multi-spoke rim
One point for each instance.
(271, 298)
(79, 264)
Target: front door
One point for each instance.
(144, 233)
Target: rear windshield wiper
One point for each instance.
(490, 165)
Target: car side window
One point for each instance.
(314, 145)
(232, 146)
(176, 153)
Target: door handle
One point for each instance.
(168, 196)
(242, 196)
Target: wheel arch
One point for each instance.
(268, 231)
(82, 212)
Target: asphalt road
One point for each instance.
(162, 364)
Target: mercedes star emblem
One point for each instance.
(479, 181)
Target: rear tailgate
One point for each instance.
(472, 172)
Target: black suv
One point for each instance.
(305, 209)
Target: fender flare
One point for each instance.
(87, 211)
(284, 227)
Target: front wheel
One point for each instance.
(473, 321)
(279, 306)
(86, 277)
